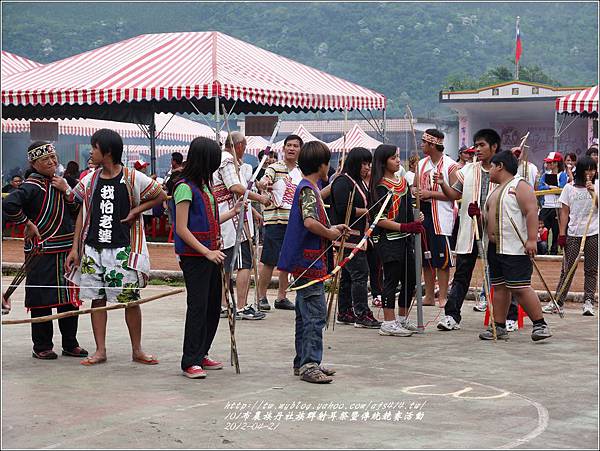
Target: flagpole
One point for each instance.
(517, 49)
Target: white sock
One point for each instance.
(400, 318)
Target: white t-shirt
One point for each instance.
(246, 175)
(579, 201)
(410, 177)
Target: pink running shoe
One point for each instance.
(209, 364)
(195, 372)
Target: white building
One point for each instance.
(515, 108)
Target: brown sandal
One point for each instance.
(316, 376)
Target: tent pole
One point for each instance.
(152, 132)
(555, 137)
(383, 125)
(217, 120)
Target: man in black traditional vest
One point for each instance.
(42, 204)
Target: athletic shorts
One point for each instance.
(272, 241)
(105, 275)
(440, 254)
(514, 271)
(246, 257)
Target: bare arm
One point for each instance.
(326, 192)
(450, 195)
(240, 190)
(449, 192)
(72, 259)
(151, 203)
(331, 234)
(528, 205)
(565, 210)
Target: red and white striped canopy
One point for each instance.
(585, 101)
(356, 137)
(165, 68)
(13, 64)
(168, 127)
(134, 152)
(302, 133)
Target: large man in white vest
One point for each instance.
(472, 185)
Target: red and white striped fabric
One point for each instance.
(134, 152)
(171, 128)
(356, 137)
(255, 144)
(13, 64)
(174, 66)
(302, 133)
(585, 101)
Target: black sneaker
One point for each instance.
(284, 304)
(263, 305)
(367, 321)
(75, 352)
(345, 318)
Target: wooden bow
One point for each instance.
(105, 308)
(343, 263)
(333, 291)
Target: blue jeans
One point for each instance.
(311, 312)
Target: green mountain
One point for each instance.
(407, 51)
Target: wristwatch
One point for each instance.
(68, 192)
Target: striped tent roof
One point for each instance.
(255, 144)
(302, 133)
(168, 127)
(166, 68)
(13, 64)
(135, 151)
(581, 102)
(356, 137)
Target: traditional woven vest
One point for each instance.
(203, 222)
(300, 246)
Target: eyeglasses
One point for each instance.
(48, 159)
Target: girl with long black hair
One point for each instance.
(393, 240)
(353, 295)
(197, 240)
(576, 206)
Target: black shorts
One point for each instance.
(440, 254)
(272, 241)
(246, 257)
(514, 271)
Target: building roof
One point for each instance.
(512, 91)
